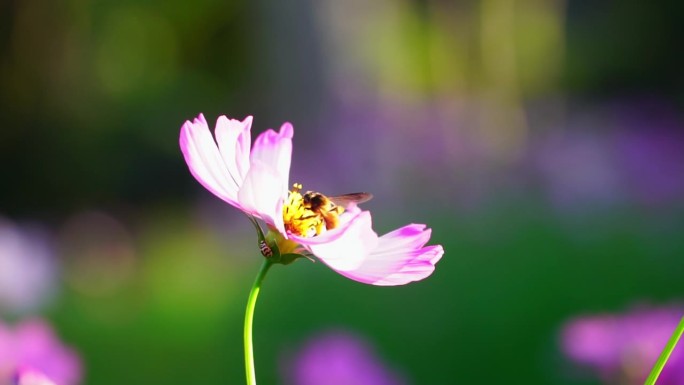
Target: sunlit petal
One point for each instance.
(205, 161)
(262, 194)
(347, 252)
(234, 138)
(275, 150)
(346, 220)
(399, 258)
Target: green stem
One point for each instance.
(660, 364)
(249, 317)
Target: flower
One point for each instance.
(31, 351)
(257, 181)
(337, 358)
(623, 347)
(28, 272)
(26, 376)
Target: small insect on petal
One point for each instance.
(265, 249)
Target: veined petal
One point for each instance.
(205, 161)
(275, 150)
(234, 138)
(417, 265)
(399, 258)
(347, 252)
(263, 193)
(413, 235)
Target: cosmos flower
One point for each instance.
(622, 348)
(256, 181)
(31, 352)
(337, 358)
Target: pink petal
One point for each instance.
(413, 265)
(254, 181)
(409, 236)
(399, 258)
(234, 138)
(265, 186)
(263, 194)
(205, 161)
(275, 150)
(346, 220)
(348, 250)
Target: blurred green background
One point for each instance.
(541, 140)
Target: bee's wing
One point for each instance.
(347, 199)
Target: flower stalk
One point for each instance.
(665, 355)
(249, 318)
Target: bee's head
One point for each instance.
(313, 199)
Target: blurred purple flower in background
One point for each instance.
(619, 155)
(578, 169)
(652, 162)
(27, 376)
(32, 347)
(337, 358)
(27, 269)
(622, 348)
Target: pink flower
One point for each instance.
(26, 376)
(257, 181)
(623, 347)
(33, 353)
(337, 358)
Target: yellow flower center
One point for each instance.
(309, 214)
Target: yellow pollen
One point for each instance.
(299, 218)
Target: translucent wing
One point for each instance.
(347, 199)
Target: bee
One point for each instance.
(329, 208)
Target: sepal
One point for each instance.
(281, 250)
(266, 244)
(288, 258)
